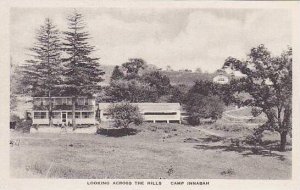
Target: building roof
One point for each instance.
(222, 79)
(63, 97)
(149, 107)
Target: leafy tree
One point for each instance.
(117, 74)
(225, 91)
(138, 85)
(131, 91)
(203, 87)
(203, 107)
(268, 81)
(178, 93)
(82, 74)
(133, 66)
(203, 101)
(206, 88)
(42, 73)
(160, 82)
(124, 114)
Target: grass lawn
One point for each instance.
(155, 151)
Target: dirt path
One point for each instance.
(227, 113)
(238, 119)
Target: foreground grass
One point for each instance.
(155, 151)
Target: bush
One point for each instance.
(229, 172)
(254, 139)
(124, 114)
(193, 120)
(19, 124)
(203, 107)
(15, 121)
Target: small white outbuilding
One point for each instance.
(152, 112)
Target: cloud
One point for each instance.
(194, 39)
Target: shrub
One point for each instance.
(228, 172)
(254, 139)
(203, 107)
(193, 120)
(19, 124)
(124, 114)
(15, 121)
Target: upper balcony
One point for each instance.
(63, 103)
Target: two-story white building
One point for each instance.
(62, 110)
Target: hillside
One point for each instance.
(187, 78)
(176, 77)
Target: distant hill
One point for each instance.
(187, 78)
(176, 77)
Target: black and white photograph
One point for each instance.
(165, 93)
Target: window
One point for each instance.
(45, 101)
(86, 101)
(80, 101)
(90, 101)
(87, 114)
(77, 114)
(69, 115)
(43, 115)
(37, 115)
(160, 113)
(37, 101)
(58, 101)
(69, 101)
(56, 115)
(64, 101)
(40, 115)
(161, 121)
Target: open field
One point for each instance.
(150, 151)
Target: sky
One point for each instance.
(181, 38)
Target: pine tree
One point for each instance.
(43, 73)
(82, 74)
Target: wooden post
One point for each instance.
(73, 112)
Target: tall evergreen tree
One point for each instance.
(82, 74)
(42, 73)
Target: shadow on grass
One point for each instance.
(209, 139)
(245, 151)
(117, 132)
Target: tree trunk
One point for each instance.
(283, 135)
(73, 113)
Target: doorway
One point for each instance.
(64, 117)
